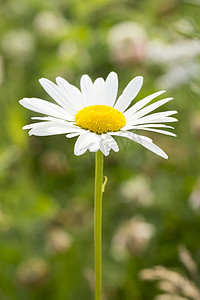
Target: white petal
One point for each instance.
(159, 120)
(128, 127)
(79, 145)
(140, 140)
(110, 142)
(99, 89)
(104, 145)
(30, 126)
(157, 130)
(104, 148)
(153, 125)
(150, 108)
(57, 94)
(54, 120)
(111, 89)
(71, 135)
(160, 117)
(87, 90)
(42, 128)
(40, 131)
(83, 142)
(72, 93)
(49, 128)
(136, 136)
(129, 93)
(94, 147)
(140, 104)
(61, 129)
(47, 108)
(166, 120)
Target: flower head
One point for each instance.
(95, 116)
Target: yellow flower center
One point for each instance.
(100, 119)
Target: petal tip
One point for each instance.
(22, 101)
(112, 73)
(141, 78)
(59, 79)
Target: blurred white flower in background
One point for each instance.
(50, 23)
(136, 189)
(59, 241)
(132, 236)
(127, 42)
(179, 74)
(178, 58)
(18, 44)
(182, 49)
(130, 43)
(12, 8)
(32, 272)
(68, 50)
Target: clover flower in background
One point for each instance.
(32, 272)
(94, 115)
(18, 44)
(127, 43)
(68, 50)
(136, 189)
(132, 236)
(59, 241)
(48, 23)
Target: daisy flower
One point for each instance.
(95, 116)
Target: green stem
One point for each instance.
(98, 222)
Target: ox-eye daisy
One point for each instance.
(94, 115)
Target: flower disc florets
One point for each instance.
(100, 119)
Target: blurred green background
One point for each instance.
(150, 206)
